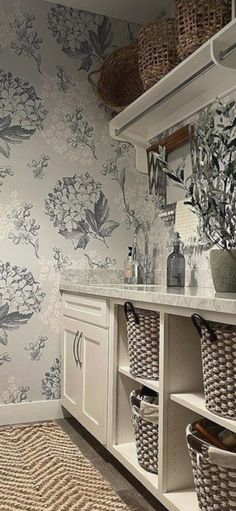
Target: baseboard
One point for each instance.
(17, 413)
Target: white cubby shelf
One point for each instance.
(195, 401)
(181, 401)
(126, 454)
(151, 384)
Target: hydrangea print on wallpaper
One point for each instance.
(21, 111)
(21, 296)
(70, 196)
(85, 37)
(58, 211)
(79, 209)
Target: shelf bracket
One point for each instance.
(223, 55)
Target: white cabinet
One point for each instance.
(85, 368)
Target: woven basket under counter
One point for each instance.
(143, 341)
(214, 474)
(218, 348)
(197, 21)
(146, 440)
(157, 50)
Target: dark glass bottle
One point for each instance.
(176, 265)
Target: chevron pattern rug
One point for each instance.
(41, 469)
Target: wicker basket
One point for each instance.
(218, 345)
(119, 81)
(143, 342)
(157, 50)
(146, 440)
(197, 21)
(214, 472)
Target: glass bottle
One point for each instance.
(176, 265)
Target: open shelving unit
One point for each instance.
(181, 398)
(208, 73)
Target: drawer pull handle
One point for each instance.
(74, 351)
(79, 361)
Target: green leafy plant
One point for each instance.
(211, 190)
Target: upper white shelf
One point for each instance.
(209, 72)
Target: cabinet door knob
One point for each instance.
(78, 349)
(74, 347)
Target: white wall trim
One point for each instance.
(30, 412)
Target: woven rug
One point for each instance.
(41, 469)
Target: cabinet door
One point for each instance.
(93, 353)
(71, 374)
(85, 370)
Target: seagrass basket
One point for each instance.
(218, 348)
(146, 441)
(143, 342)
(157, 50)
(197, 21)
(119, 82)
(214, 472)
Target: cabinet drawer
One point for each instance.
(87, 309)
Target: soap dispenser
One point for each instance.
(128, 267)
(176, 265)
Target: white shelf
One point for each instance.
(191, 85)
(186, 500)
(196, 402)
(126, 454)
(151, 384)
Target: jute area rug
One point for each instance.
(41, 469)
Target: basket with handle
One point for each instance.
(218, 348)
(197, 21)
(157, 50)
(214, 472)
(143, 341)
(119, 82)
(146, 438)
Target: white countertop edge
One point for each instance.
(192, 298)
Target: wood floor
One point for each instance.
(133, 493)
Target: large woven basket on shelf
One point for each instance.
(157, 50)
(214, 472)
(218, 347)
(146, 440)
(143, 342)
(119, 82)
(197, 21)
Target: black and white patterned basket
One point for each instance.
(143, 342)
(146, 440)
(214, 472)
(218, 346)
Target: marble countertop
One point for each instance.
(194, 298)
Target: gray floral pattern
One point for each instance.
(39, 166)
(64, 80)
(27, 229)
(51, 383)
(79, 209)
(19, 395)
(35, 348)
(4, 357)
(20, 298)
(61, 262)
(81, 131)
(100, 263)
(5, 170)
(28, 43)
(21, 112)
(82, 36)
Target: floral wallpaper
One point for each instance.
(68, 193)
(70, 197)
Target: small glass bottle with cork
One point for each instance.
(176, 265)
